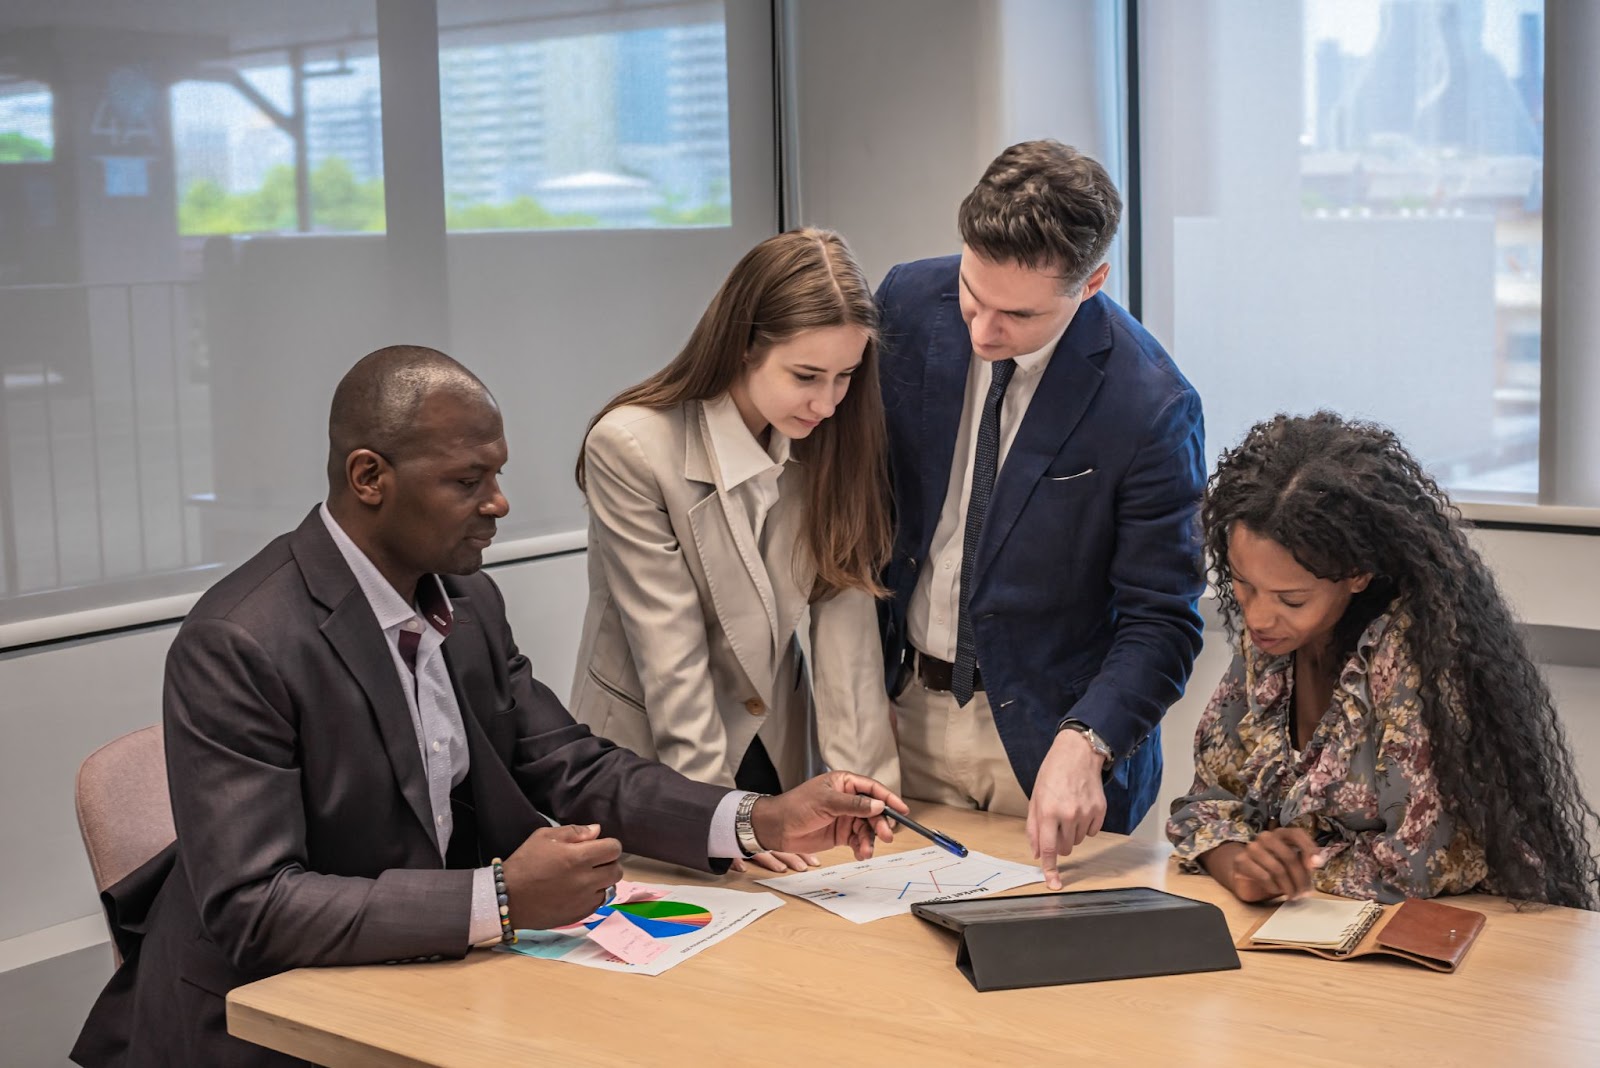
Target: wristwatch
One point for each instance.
(744, 832)
(1097, 743)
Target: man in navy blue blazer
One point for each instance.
(1048, 463)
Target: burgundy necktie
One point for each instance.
(435, 607)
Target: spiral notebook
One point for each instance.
(1424, 932)
(1327, 923)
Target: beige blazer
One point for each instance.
(687, 647)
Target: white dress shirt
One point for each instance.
(441, 737)
(431, 700)
(936, 601)
(749, 472)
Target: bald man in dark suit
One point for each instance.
(352, 735)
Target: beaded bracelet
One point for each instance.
(508, 935)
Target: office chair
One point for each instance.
(123, 810)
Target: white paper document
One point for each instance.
(658, 932)
(867, 890)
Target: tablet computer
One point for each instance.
(957, 915)
(1082, 936)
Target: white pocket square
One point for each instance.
(1069, 478)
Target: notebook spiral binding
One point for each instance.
(1358, 928)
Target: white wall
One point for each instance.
(903, 103)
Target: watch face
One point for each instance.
(1096, 743)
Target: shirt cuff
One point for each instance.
(723, 843)
(485, 927)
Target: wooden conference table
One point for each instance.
(804, 986)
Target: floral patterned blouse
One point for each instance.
(1363, 787)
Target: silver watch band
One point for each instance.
(744, 832)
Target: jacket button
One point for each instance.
(754, 706)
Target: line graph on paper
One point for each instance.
(930, 883)
(867, 890)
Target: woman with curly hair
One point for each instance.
(1382, 732)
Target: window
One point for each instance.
(1344, 209)
(27, 130)
(201, 237)
(547, 128)
(238, 157)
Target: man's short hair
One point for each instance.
(1043, 205)
(376, 403)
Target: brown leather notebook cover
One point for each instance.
(1424, 932)
(1427, 931)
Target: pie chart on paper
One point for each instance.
(658, 919)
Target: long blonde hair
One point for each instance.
(793, 282)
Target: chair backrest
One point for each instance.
(124, 813)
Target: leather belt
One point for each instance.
(934, 673)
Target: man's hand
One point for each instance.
(1277, 863)
(778, 862)
(560, 875)
(1068, 803)
(839, 808)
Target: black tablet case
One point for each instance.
(1149, 932)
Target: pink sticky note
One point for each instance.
(627, 891)
(625, 941)
(624, 893)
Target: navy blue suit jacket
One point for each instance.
(1087, 574)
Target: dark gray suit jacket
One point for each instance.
(305, 835)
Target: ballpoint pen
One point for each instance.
(941, 840)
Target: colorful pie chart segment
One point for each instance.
(658, 919)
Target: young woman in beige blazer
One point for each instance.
(735, 489)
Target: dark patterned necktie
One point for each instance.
(985, 461)
(436, 608)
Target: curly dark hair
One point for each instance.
(1346, 499)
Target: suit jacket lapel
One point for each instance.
(747, 609)
(352, 630)
(944, 392)
(463, 637)
(1070, 382)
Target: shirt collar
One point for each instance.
(739, 454)
(1035, 362)
(387, 604)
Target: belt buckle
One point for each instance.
(924, 676)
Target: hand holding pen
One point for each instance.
(833, 809)
(943, 841)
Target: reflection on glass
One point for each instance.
(1343, 211)
(151, 354)
(547, 126)
(27, 133)
(194, 241)
(1424, 123)
(238, 156)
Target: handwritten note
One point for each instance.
(625, 941)
(627, 892)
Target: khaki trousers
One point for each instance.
(952, 755)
